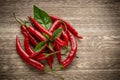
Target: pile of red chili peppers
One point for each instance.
(46, 42)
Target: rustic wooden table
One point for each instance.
(99, 52)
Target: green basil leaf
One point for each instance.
(40, 46)
(50, 46)
(46, 36)
(56, 33)
(42, 17)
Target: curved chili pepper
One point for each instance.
(41, 28)
(41, 56)
(69, 27)
(25, 56)
(50, 60)
(36, 33)
(60, 42)
(31, 38)
(64, 35)
(73, 50)
(55, 25)
(57, 48)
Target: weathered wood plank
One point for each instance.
(69, 75)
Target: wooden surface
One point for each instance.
(99, 52)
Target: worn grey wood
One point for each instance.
(99, 52)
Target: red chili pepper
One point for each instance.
(31, 38)
(28, 49)
(41, 56)
(73, 50)
(69, 27)
(50, 60)
(64, 36)
(36, 33)
(55, 25)
(25, 56)
(57, 48)
(60, 42)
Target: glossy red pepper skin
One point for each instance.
(36, 33)
(31, 38)
(57, 48)
(69, 27)
(41, 56)
(64, 35)
(55, 25)
(28, 49)
(26, 58)
(73, 50)
(50, 60)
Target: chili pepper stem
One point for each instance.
(21, 23)
(67, 49)
(48, 54)
(61, 66)
(54, 52)
(27, 25)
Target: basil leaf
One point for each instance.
(42, 17)
(40, 46)
(46, 36)
(50, 46)
(56, 33)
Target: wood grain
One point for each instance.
(98, 52)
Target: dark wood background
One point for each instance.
(99, 52)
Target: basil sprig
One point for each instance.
(42, 17)
(40, 46)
